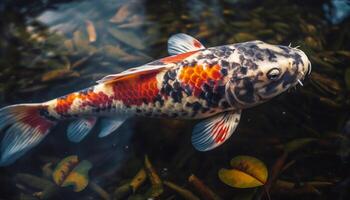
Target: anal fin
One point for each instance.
(215, 130)
(109, 125)
(80, 128)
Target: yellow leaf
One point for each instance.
(71, 172)
(62, 169)
(247, 172)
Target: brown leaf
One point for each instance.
(90, 29)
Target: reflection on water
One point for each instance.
(53, 47)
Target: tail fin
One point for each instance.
(25, 126)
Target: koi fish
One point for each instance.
(213, 84)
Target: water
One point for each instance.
(45, 53)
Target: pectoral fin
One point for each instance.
(80, 128)
(215, 130)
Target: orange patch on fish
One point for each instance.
(89, 98)
(136, 90)
(196, 76)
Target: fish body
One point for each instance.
(195, 82)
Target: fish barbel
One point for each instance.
(213, 84)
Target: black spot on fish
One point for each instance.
(241, 59)
(248, 97)
(196, 106)
(244, 70)
(160, 100)
(176, 86)
(205, 87)
(220, 90)
(298, 59)
(219, 53)
(224, 63)
(250, 52)
(271, 56)
(259, 56)
(224, 71)
(188, 90)
(208, 95)
(285, 49)
(144, 100)
(235, 65)
(204, 109)
(251, 64)
(43, 112)
(177, 96)
(215, 100)
(167, 89)
(171, 74)
(224, 104)
(210, 56)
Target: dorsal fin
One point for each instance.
(182, 43)
(133, 72)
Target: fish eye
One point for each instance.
(273, 73)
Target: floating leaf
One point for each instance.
(71, 172)
(247, 172)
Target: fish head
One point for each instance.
(263, 71)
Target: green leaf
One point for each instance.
(247, 172)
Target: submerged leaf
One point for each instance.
(122, 14)
(90, 29)
(71, 172)
(127, 37)
(138, 180)
(247, 172)
(298, 143)
(58, 74)
(157, 185)
(186, 194)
